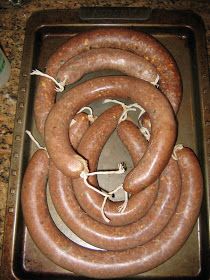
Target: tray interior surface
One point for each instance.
(28, 262)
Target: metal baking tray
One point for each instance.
(183, 34)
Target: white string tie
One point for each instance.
(124, 115)
(84, 175)
(155, 83)
(102, 210)
(86, 108)
(122, 207)
(145, 132)
(176, 148)
(60, 85)
(34, 140)
(120, 170)
(126, 108)
(91, 117)
(72, 122)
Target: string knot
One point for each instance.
(84, 175)
(176, 148)
(126, 108)
(59, 85)
(155, 83)
(121, 169)
(35, 141)
(91, 117)
(145, 132)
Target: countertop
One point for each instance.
(12, 29)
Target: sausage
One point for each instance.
(99, 132)
(107, 58)
(139, 43)
(109, 264)
(134, 142)
(116, 237)
(90, 148)
(145, 121)
(163, 133)
(78, 127)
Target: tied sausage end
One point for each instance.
(78, 166)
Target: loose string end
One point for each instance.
(34, 140)
(126, 108)
(59, 86)
(176, 148)
(145, 132)
(84, 175)
(102, 210)
(122, 207)
(91, 117)
(155, 83)
(36, 72)
(121, 170)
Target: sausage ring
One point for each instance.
(90, 148)
(139, 43)
(109, 264)
(163, 133)
(107, 58)
(116, 238)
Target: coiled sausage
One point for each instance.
(116, 237)
(90, 148)
(109, 264)
(163, 133)
(139, 43)
(107, 58)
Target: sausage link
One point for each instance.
(163, 133)
(99, 132)
(90, 148)
(78, 128)
(107, 58)
(134, 141)
(109, 264)
(139, 43)
(145, 121)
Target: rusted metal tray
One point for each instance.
(182, 32)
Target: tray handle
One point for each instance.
(124, 13)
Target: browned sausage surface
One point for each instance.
(90, 148)
(139, 43)
(163, 134)
(107, 58)
(78, 127)
(109, 264)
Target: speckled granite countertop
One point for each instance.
(12, 28)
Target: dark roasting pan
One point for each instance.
(183, 33)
